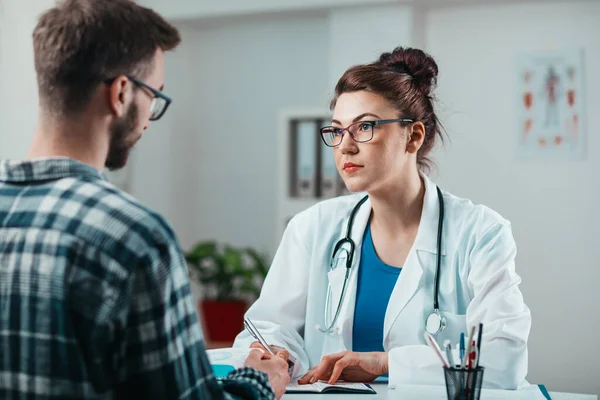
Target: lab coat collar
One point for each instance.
(426, 239)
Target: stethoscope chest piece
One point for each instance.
(435, 323)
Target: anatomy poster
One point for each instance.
(551, 110)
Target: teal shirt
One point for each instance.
(376, 281)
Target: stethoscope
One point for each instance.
(344, 251)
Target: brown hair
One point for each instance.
(406, 78)
(80, 43)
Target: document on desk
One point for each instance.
(418, 392)
(228, 359)
(324, 387)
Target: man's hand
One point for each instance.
(276, 368)
(276, 349)
(349, 366)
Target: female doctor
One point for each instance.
(355, 284)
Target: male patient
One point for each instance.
(94, 292)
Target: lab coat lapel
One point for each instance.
(404, 290)
(412, 272)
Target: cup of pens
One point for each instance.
(463, 379)
(463, 383)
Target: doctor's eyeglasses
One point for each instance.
(361, 131)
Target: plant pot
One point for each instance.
(223, 320)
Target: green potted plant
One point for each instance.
(230, 278)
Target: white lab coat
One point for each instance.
(478, 283)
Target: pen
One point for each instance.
(433, 344)
(479, 335)
(462, 346)
(448, 348)
(473, 356)
(469, 346)
(254, 332)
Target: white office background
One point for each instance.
(210, 165)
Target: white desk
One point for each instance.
(418, 393)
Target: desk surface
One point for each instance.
(406, 393)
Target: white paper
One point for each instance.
(320, 386)
(229, 356)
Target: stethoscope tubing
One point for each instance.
(329, 327)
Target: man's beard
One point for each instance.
(122, 139)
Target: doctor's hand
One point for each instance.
(349, 366)
(276, 368)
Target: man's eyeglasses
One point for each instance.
(160, 101)
(361, 131)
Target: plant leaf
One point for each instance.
(227, 272)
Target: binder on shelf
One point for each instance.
(304, 157)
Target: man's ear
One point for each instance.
(119, 95)
(415, 137)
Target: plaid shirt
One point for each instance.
(94, 295)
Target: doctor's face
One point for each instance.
(372, 165)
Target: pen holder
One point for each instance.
(463, 384)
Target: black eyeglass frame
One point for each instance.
(155, 92)
(372, 123)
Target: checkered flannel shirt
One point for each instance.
(94, 295)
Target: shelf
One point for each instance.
(288, 206)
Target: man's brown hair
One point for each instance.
(79, 44)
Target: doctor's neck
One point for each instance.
(398, 207)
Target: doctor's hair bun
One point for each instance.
(418, 65)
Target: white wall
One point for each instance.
(360, 34)
(188, 9)
(163, 165)
(243, 72)
(18, 90)
(552, 205)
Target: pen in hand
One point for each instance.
(256, 334)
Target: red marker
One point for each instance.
(473, 356)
